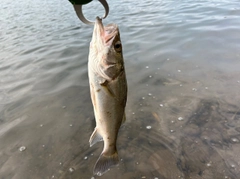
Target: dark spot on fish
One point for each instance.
(109, 113)
(98, 90)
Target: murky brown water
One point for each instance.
(183, 113)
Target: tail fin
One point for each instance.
(104, 163)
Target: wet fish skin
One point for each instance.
(108, 87)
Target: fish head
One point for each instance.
(107, 47)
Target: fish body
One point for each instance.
(108, 87)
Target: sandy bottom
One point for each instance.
(165, 136)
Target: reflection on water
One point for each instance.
(182, 64)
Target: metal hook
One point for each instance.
(78, 9)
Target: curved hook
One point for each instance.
(78, 9)
(106, 7)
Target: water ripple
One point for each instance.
(181, 59)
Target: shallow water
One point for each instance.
(182, 62)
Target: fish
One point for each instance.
(108, 89)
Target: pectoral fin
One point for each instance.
(107, 88)
(95, 137)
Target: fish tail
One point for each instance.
(104, 163)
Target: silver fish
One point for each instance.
(108, 87)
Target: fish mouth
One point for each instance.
(99, 23)
(107, 33)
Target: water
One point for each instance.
(182, 60)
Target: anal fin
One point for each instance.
(95, 137)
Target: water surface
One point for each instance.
(182, 62)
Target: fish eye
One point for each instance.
(118, 46)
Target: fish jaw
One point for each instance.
(98, 33)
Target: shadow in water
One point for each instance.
(207, 138)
